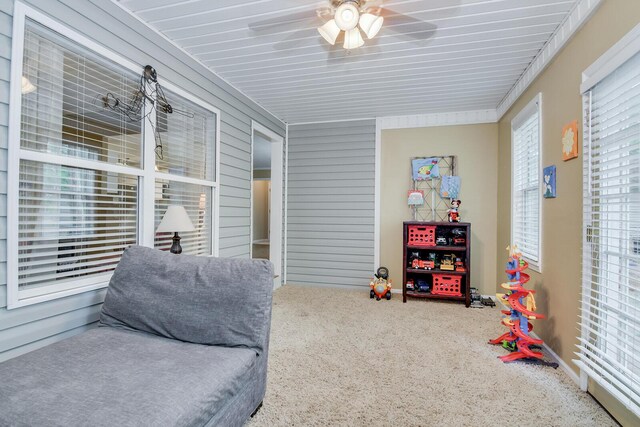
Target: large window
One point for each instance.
(525, 182)
(610, 338)
(83, 177)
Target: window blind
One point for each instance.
(610, 341)
(187, 136)
(525, 184)
(69, 226)
(73, 222)
(67, 113)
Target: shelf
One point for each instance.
(463, 252)
(432, 296)
(439, 248)
(435, 271)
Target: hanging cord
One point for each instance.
(148, 90)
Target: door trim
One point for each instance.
(277, 181)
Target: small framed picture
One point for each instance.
(549, 182)
(570, 141)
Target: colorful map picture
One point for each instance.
(425, 169)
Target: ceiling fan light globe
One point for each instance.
(352, 39)
(347, 16)
(370, 24)
(329, 31)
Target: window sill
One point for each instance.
(30, 297)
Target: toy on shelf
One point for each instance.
(459, 265)
(410, 286)
(380, 285)
(448, 262)
(432, 260)
(423, 286)
(522, 307)
(417, 263)
(459, 237)
(441, 239)
(454, 216)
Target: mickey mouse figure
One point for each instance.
(454, 216)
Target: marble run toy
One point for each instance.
(521, 308)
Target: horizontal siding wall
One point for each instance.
(330, 204)
(31, 327)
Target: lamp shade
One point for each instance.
(329, 31)
(175, 219)
(27, 86)
(370, 24)
(353, 39)
(347, 16)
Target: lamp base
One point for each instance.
(175, 247)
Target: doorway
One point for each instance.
(266, 197)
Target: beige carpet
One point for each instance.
(339, 358)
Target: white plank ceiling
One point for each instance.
(443, 56)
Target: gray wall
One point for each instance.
(27, 328)
(331, 203)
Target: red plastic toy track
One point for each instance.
(515, 333)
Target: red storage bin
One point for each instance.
(421, 235)
(443, 284)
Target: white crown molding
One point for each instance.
(625, 49)
(438, 119)
(572, 23)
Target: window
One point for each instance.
(81, 175)
(525, 179)
(610, 339)
(187, 154)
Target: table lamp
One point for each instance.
(176, 219)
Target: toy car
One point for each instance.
(422, 264)
(422, 286)
(459, 236)
(409, 285)
(459, 265)
(441, 241)
(476, 298)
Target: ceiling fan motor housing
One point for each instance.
(347, 15)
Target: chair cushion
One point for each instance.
(205, 300)
(115, 377)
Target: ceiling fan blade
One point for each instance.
(366, 4)
(295, 39)
(304, 19)
(406, 25)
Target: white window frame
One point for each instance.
(146, 174)
(535, 105)
(625, 49)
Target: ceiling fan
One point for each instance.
(351, 16)
(347, 21)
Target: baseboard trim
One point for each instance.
(564, 365)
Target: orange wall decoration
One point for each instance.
(570, 141)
